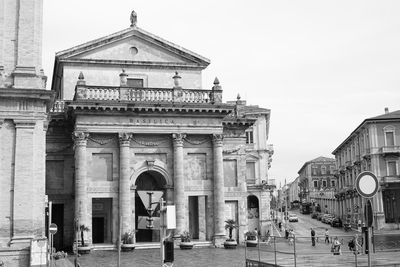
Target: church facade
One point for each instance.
(141, 123)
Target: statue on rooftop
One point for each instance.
(133, 18)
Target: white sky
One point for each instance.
(322, 67)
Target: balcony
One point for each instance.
(342, 169)
(150, 95)
(390, 150)
(366, 153)
(58, 107)
(357, 160)
(349, 164)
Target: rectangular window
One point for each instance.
(102, 166)
(323, 183)
(392, 168)
(54, 174)
(251, 172)
(137, 83)
(389, 138)
(315, 184)
(314, 171)
(230, 173)
(249, 137)
(333, 183)
(323, 170)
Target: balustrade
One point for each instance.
(150, 94)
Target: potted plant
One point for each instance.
(251, 239)
(230, 225)
(83, 248)
(186, 242)
(128, 239)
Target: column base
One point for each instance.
(218, 240)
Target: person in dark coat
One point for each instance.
(312, 237)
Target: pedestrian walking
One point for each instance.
(336, 247)
(312, 237)
(326, 236)
(291, 237)
(280, 226)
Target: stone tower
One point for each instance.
(24, 104)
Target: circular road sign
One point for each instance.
(53, 228)
(367, 184)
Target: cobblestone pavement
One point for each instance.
(307, 256)
(151, 257)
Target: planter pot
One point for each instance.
(84, 250)
(186, 245)
(251, 243)
(128, 247)
(230, 244)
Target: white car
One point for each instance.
(293, 218)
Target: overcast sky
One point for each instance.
(322, 67)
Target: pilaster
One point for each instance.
(23, 185)
(179, 183)
(124, 183)
(219, 201)
(81, 198)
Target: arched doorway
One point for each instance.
(148, 181)
(253, 212)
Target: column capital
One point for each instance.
(125, 139)
(218, 139)
(178, 138)
(80, 138)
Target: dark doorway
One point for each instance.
(102, 220)
(151, 181)
(57, 217)
(98, 229)
(194, 216)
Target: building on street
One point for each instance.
(130, 116)
(317, 184)
(141, 121)
(373, 146)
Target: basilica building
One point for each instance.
(141, 122)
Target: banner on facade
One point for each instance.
(150, 199)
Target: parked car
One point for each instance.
(319, 216)
(329, 219)
(336, 222)
(314, 215)
(293, 218)
(325, 218)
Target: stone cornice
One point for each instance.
(131, 63)
(108, 106)
(34, 94)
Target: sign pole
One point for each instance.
(49, 245)
(367, 186)
(162, 232)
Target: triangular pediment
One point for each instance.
(133, 45)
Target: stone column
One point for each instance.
(219, 202)
(179, 182)
(81, 199)
(124, 184)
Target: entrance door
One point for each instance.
(102, 220)
(147, 181)
(98, 229)
(57, 217)
(194, 216)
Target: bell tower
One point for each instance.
(24, 104)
